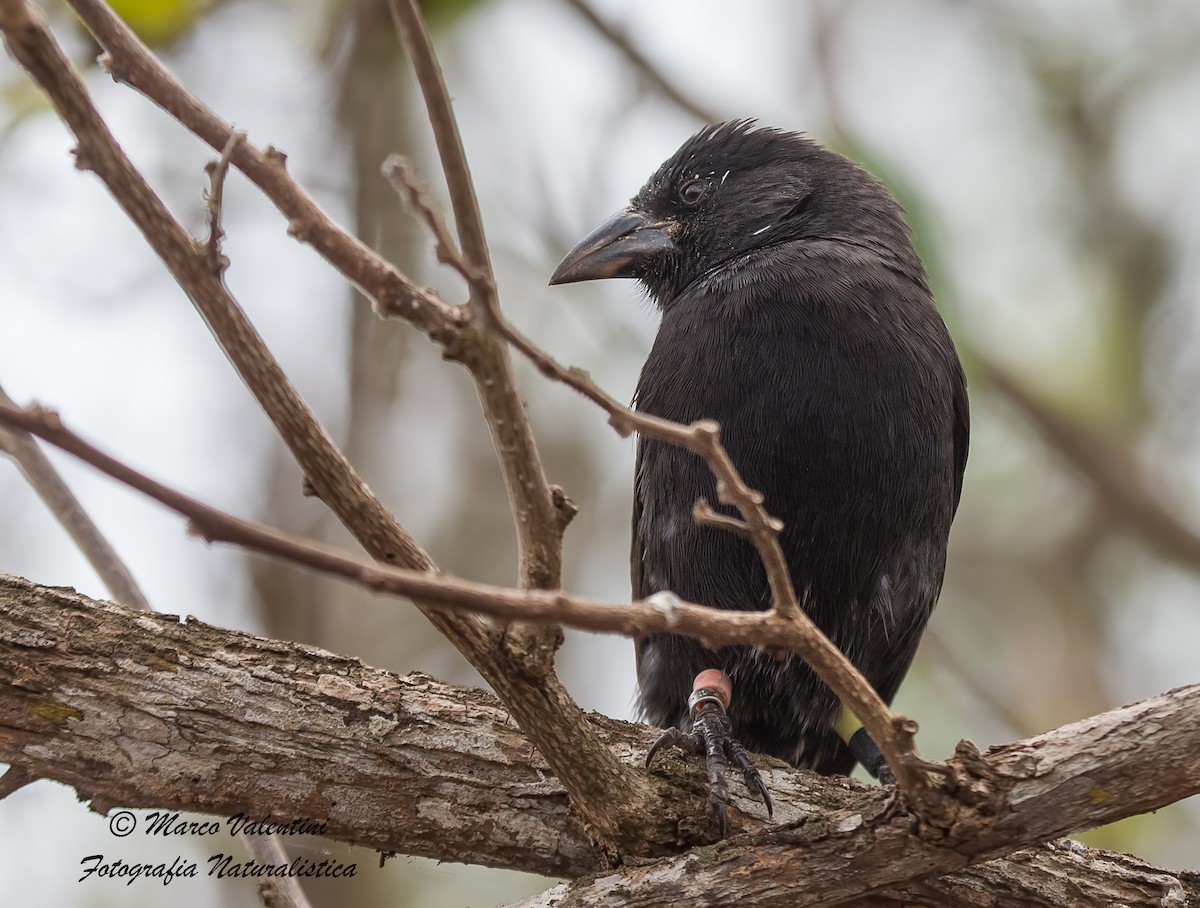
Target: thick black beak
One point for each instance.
(615, 248)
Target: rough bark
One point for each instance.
(148, 711)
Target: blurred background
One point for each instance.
(1046, 153)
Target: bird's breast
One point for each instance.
(840, 419)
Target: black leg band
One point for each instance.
(866, 752)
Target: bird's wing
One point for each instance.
(962, 432)
(636, 553)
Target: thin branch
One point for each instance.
(1121, 484)
(426, 768)
(715, 627)
(415, 36)
(535, 504)
(400, 173)
(213, 201)
(704, 515)
(62, 503)
(641, 63)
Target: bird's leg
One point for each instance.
(865, 750)
(712, 735)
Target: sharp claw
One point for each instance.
(673, 737)
(660, 742)
(753, 779)
(759, 786)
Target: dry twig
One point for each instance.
(61, 501)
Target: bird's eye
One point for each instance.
(691, 192)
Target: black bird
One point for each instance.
(795, 313)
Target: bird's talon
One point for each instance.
(750, 774)
(712, 735)
(757, 786)
(673, 737)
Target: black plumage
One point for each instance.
(796, 313)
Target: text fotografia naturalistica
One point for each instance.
(220, 866)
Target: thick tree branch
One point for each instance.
(145, 710)
(1075, 777)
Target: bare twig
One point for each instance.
(411, 26)
(63, 504)
(641, 63)
(716, 627)
(214, 199)
(400, 173)
(535, 505)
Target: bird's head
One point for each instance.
(730, 190)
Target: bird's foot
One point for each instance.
(712, 735)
